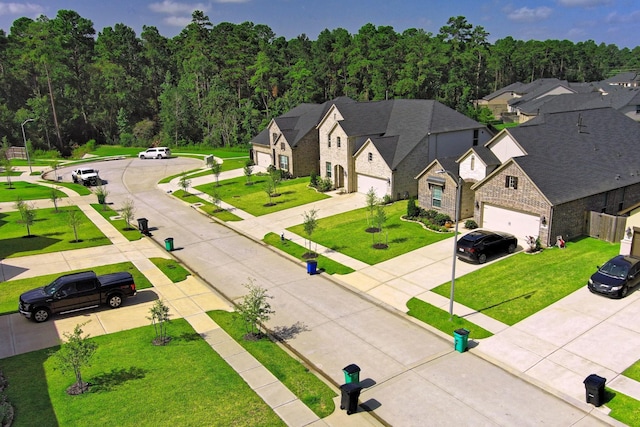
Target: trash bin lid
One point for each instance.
(462, 331)
(594, 380)
(351, 369)
(351, 388)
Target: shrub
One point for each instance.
(470, 224)
(313, 179)
(413, 210)
(430, 214)
(441, 219)
(325, 184)
(386, 199)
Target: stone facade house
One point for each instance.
(543, 177)
(384, 144)
(290, 141)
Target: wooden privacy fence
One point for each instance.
(609, 228)
(17, 153)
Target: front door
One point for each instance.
(338, 173)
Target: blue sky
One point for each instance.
(609, 21)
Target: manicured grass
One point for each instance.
(50, 233)
(252, 198)
(623, 408)
(10, 290)
(78, 188)
(523, 284)
(439, 319)
(130, 232)
(346, 233)
(227, 165)
(27, 191)
(185, 383)
(633, 371)
(305, 385)
(169, 178)
(325, 264)
(171, 268)
(208, 207)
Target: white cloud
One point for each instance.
(177, 21)
(172, 8)
(525, 14)
(20, 9)
(615, 18)
(584, 3)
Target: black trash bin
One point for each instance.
(350, 393)
(351, 374)
(143, 226)
(594, 389)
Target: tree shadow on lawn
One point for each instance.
(16, 245)
(110, 380)
(399, 240)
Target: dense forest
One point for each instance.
(219, 85)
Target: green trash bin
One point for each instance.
(351, 374)
(168, 243)
(461, 339)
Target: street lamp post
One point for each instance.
(458, 181)
(24, 138)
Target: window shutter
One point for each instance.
(515, 182)
(506, 181)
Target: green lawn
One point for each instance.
(10, 290)
(27, 191)
(208, 207)
(633, 371)
(523, 284)
(623, 408)
(252, 198)
(78, 188)
(171, 268)
(346, 233)
(439, 319)
(325, 264)
(185, 383)
(312, 391)
(130, 232)
(50, 233)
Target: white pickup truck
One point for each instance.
(86, 176)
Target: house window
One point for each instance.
(436, 196)
(370, 156)
(274, 137)
(328, 172)
(283, 161)
(282, 146)
(329, 141)
(338, 141)
(476, 136)
(473, 162)
(637, 109)
(511, 182)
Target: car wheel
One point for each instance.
(511, 249)
(142, 157)
(115, 301)
(41, 315)
(624, 291)
(159, 156)
(482, 258)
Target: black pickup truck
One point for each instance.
(76, 291)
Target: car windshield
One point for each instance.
(52, 287)
(615, 270)
(87, 171)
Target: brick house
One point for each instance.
(384, 144)
(290, 142)
(544, 176)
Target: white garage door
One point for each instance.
(263, 159)
(366, 182)
(517, 223)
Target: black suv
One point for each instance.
(616, 277)
(479, 244)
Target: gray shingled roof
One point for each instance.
(410, 120)
(571, 155)
(615, 97)
(487, 157)
(513, 87)
(626, 77)
(539, 88)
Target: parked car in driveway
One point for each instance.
(616, 277)
(477, 245)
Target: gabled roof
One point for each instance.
(616, 97)
(448, 163)
(410, 121)
(571, 155)
(485, 155)
(539, 88)
(516, 87)
(622, 78)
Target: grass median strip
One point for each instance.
(10, 290)
(130, 232)
(134, 383)
(325, 264)
(312, 391)
(439, 319)
(207, 207)
(171, 268)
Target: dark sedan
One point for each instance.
(480, 244)
(616, 277)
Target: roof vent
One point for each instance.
(617, 177)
